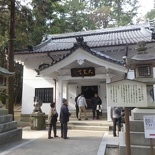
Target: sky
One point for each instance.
(146, 5)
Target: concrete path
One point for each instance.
(80, 142)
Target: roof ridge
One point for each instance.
(98, 33)
(111, 29)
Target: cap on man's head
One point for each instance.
(64, 100)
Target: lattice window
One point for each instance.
(44, 94)
(144, 71)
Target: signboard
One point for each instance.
(126, 93)
(149, 126)
(81, 72)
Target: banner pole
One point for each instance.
(151, 147)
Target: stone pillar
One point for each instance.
(59, 94)
(65, 89)
(108, 80)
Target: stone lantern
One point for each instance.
(142, 63)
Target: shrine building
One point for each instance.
(64, 65)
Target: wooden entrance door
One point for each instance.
(89, 92)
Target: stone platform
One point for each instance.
(8, 128)
(139, 144)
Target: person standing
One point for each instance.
(96, 103)
(76, 105)
(82, 106)
(64, 118)
(52, 119)
(116, 115)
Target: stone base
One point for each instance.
(37, 121)
(135, 150)
(8, 128)
(10, 136)
(138, 114)
(139, 144)
(3, 111)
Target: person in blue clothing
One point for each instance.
(64, 118)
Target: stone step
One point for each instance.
(135, 150)
(10, 136)
(138, 138)
(91, 128)
(8, 126)
(5, 118)
(91, 123)
(89, 118)
(137, 126)
(3, 111)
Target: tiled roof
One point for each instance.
(95, 38)
(86, 48)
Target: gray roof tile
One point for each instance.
(91, 51)
(96, 38)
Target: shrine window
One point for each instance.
(44, 94)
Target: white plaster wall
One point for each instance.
(30, 82)
(72, 93)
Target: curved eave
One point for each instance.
(48, 51)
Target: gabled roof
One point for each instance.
(87, 49)
(95, 38)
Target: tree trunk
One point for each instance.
(11, 57)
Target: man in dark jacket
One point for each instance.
(96, 103)
(64, 118)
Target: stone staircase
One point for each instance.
(139, 144)
(90, 124)
(8, 128)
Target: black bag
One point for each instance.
(54, 118)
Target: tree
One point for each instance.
(75, 16)
(110, 13)
(150, 15)
(101, 17)
(11, 56)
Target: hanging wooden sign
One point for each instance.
(81, 72)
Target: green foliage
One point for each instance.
(150, 15)
(75, 17)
